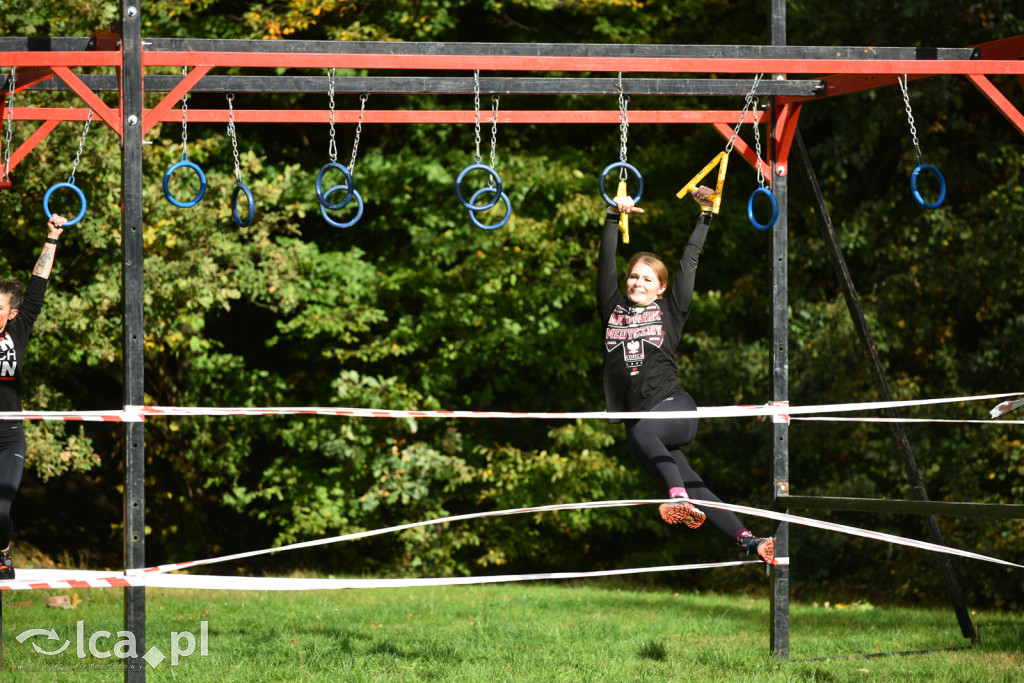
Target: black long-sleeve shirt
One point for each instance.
(14, 343)
(640, 341)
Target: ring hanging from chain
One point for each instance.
(921, 166)
(184, 163)
(938, 176)
(65, 186)
(751, 102)
(775, 208)
(493, 180)
(70, 184)
(348, 172)
(625, 168)
(239, 185)
(332, 152)
(502, 197)
(351, 193)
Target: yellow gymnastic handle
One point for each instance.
(623, 217)
(722, 161)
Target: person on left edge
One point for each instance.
(18, 312)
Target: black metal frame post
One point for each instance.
(132, 302)
(779, 364)
(835, 251)
(779, 356)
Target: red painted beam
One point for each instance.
(1007, 48)
(999, 100)
(33, 141)
(49, 59)
(519, 63)
(785, 131)
(746, 151)
(608, 64)
(152, 117)
(110, 116)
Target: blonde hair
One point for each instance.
(652, 260)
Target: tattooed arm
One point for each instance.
(44, 264)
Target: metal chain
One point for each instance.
(910, 115)
(359, 130)
(81, 145)
(746, 106)
(476, 110)
(623, 127)
(757, 146)
(494, 133)
(234, 140)
(332, 148)
(10, 126)
(184, 118)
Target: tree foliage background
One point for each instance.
(416, 308)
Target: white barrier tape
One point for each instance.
(906, 419)
(854, 531)
(1006, 406)
(388, 530)
(59, 579)
(756, 512)
(777, 411)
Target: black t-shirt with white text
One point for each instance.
(14, 344)
(640, 342)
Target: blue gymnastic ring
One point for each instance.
(942, 186)
(775, 209)
(70, 186)
(351, 193)
(503, 197)
(234, 206)
(184, 163)
(612, 167)
(497, 181)
(321, 196)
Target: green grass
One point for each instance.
(595, 631)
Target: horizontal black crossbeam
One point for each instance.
(910, 507)
(37, 43)
(557, 49)
(454, 85)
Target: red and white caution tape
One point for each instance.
(74, 416)
(780, 411)
(59, 579)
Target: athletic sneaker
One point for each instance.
(6, 565)
(682, 511)
(765, 547)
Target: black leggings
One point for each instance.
(12, 464)
(654, 445)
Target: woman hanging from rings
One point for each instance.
(18, 312)
(641, 332)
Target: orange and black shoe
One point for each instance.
(764, 547)
(682, 511)
(6, 565)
